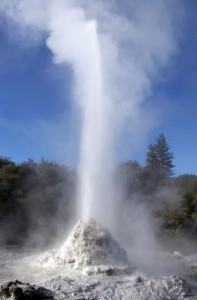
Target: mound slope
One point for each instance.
(90, 244)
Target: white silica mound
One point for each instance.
(88, 245)
(91, 244)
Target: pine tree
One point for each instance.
(159, 159)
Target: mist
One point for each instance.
(116, 56)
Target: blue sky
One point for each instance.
(179, 93)
(39, 119)
(34, 94)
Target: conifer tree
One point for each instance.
(159, 159)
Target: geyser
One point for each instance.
(93, 131)
(83, 50)
(114, 58)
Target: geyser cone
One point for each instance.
(91, 244)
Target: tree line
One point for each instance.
(32, 197)
(38, 199)
(173, 199)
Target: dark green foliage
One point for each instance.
(159, 159)
(9, 178)
(128, 174)
(4, 161)
(182, 216)
(186, 182)
(33, 199)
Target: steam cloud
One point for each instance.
(115, 54)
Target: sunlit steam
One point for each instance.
(93, 131)
(82, 49)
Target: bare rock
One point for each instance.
(24, 291)
(138, 287)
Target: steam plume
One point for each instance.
(114, 56)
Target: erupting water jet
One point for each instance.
(94, 132)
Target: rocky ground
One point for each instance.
(91, 265)
(102, 286)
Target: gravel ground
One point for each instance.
(71, 284)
